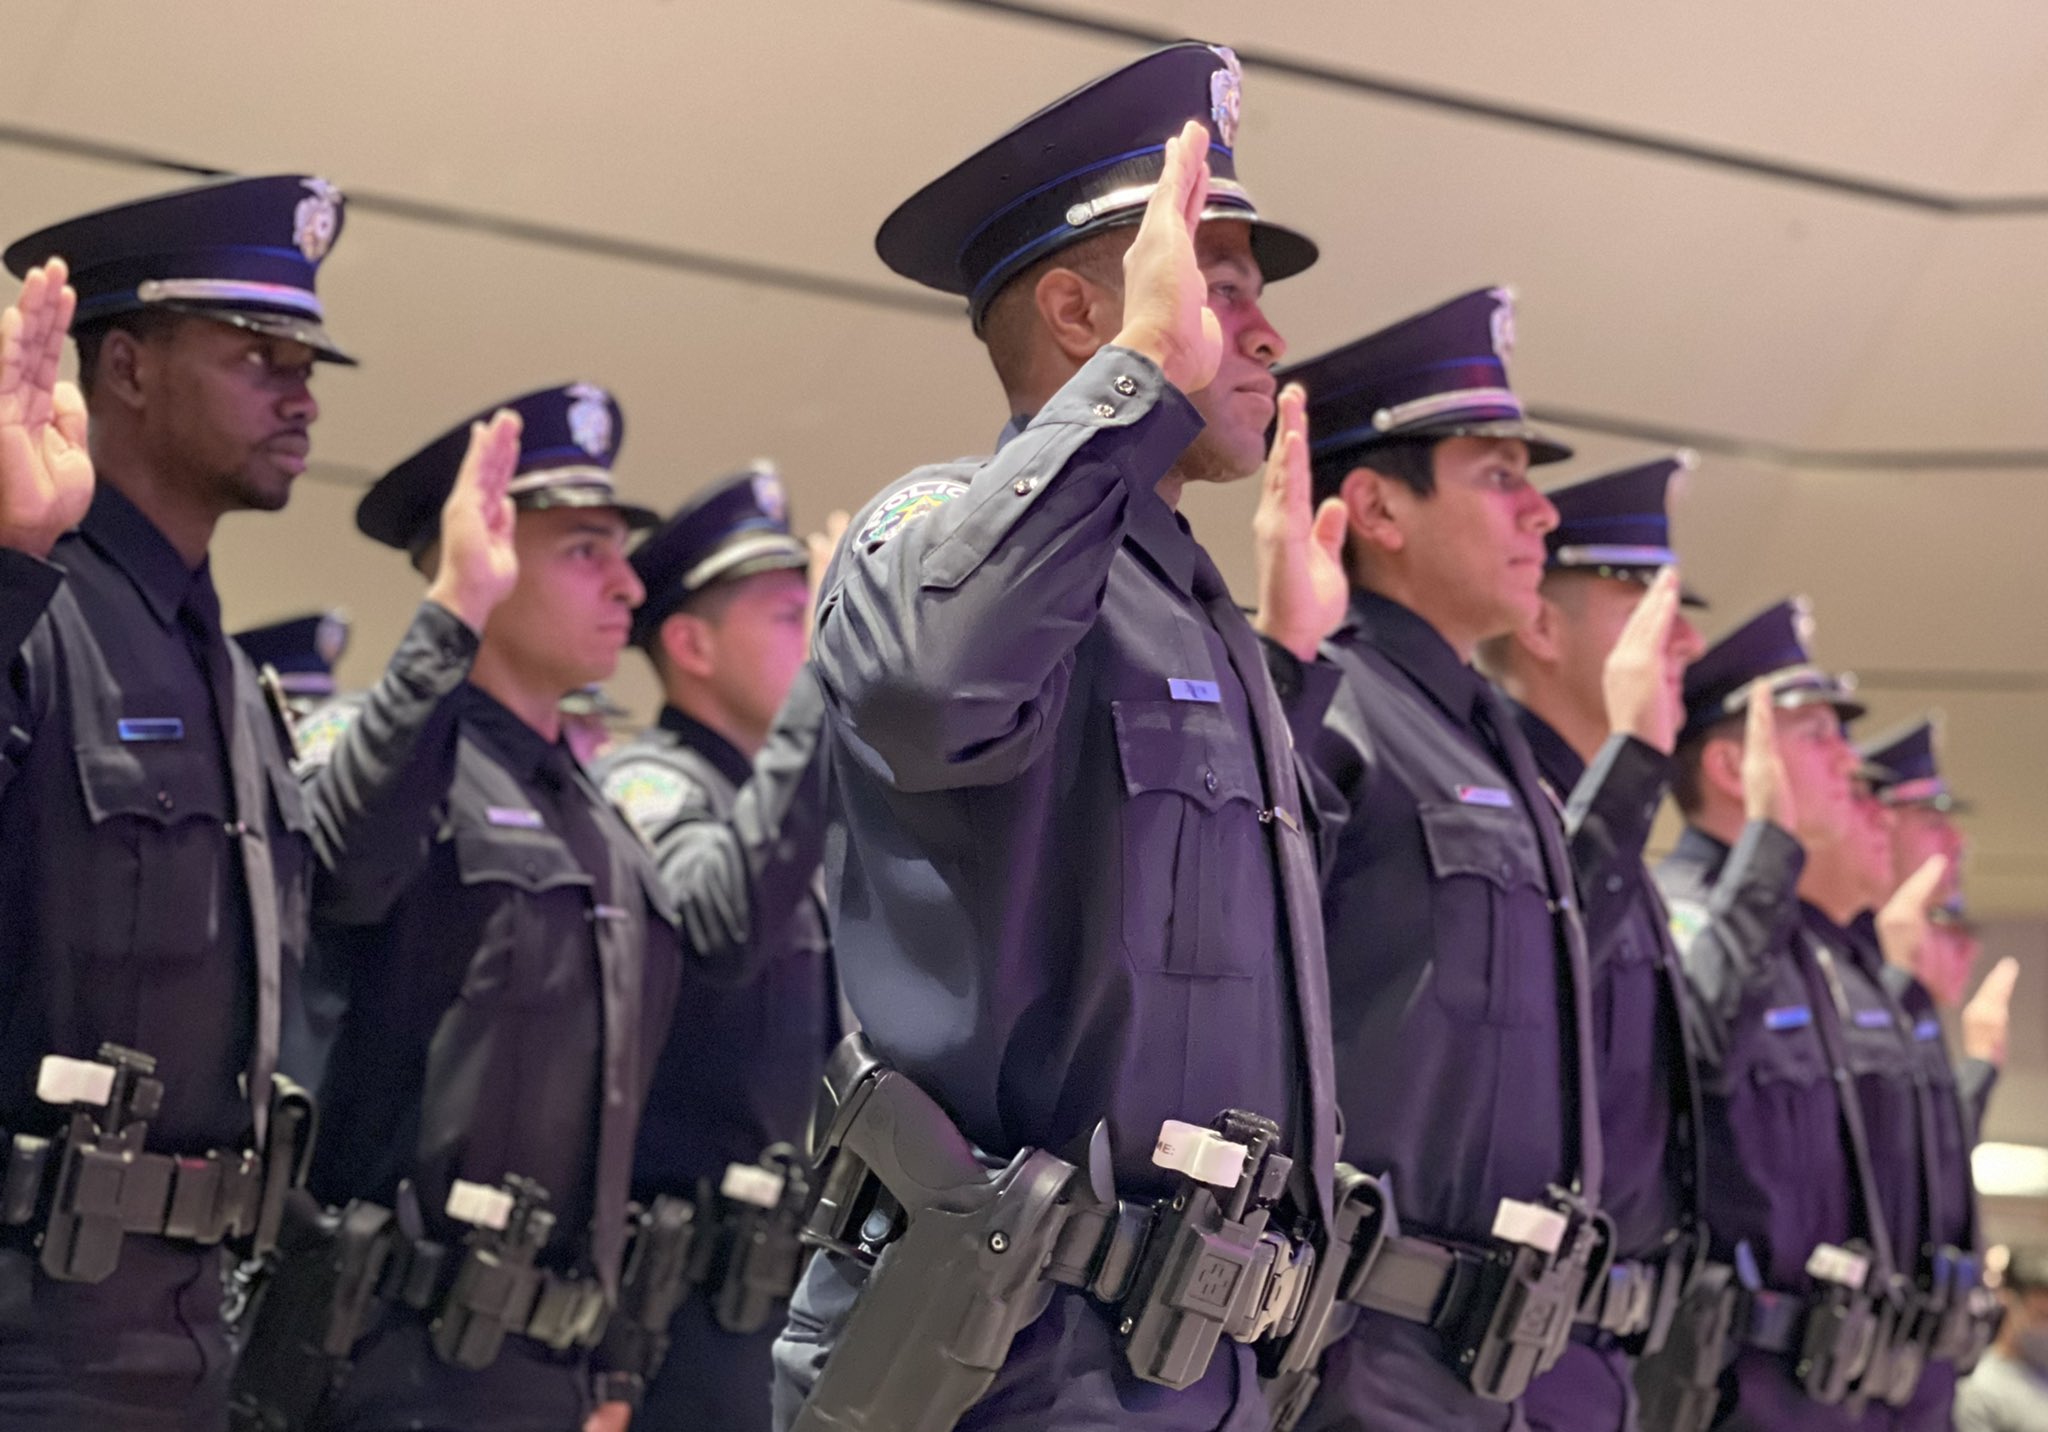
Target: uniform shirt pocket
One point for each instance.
(1195, 866)
(1495, 952)
(533, 909)
(155, 871)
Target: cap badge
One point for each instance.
(1226, 95)
(1503, 322)
(768, 495)
(590, 418)
(316, 219)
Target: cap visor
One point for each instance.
(295, 327)
(542, 498)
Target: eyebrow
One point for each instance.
(594, 528)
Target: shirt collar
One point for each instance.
(523, 751)
(1696, 848)
(1161, 533)
(1415, 646)
(116, 528)
(707, 743)
(1555, 759)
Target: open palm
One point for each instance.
(45, 467)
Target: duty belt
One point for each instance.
(78, 1193)
(1636, 1300)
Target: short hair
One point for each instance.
(1007, 323)
(143, 324)
(709, 603)
(1409, 461)
(2026, 1268)
(1688, 783)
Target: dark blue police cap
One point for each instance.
(1440, 374)
(1908, 755)
(570, 437)
(302, 650)
(239, 251)
(1619, 524)
(736, 527)
(1083, 164)
(1772, 644)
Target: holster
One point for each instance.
(1528, 1300)
(1363, 1215)
(1679, 1385)
(1841, 1333)
(652, 1286)
(760, 1246)
(309, 1312)
(1969, 1313)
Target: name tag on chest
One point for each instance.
(1485, 796)
(514, 817)
(150, 728)
(1788, 1016)
(1873, 1019)
(1182, 688)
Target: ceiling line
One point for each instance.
(1773, 454)
(1763, 166)
(1989, 683)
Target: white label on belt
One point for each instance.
(479, 1205)
(1529, 1224)
(750, 1183)
(1199, 1152)
(1838, 1265)
(74, 1081)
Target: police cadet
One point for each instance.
(1928, 953)
(1763, 784)
(1072, 887)
(162, 854)
(1606, 653)
(731, 799)
(1457, 965)
(510, 975)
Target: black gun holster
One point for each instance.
(751, 1254)
(1679, 1385)
(963, 1255)
(655, 1280)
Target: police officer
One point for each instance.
(730, 796)
(1761, 784)
(1457, 964)
(161, 851)
(1072, 886)
(1928, 955)
(1596, 679)
(510, 975)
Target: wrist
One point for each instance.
(464, 607)
(1151, 347)
(1301, 645)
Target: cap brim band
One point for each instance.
(295, 327)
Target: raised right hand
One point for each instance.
(45, 469)
(1642, 692)
(479, 564)
(1166, 298)
(1907, 918)
(1766, 793)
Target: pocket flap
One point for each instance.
(1187, 747)
(1494, 844)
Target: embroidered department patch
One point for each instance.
(1687, 920)
(651, 794)
(905, 505)
(314, 738)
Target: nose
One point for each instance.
(1259, 340)
(1542, 512)
(1686, 643)
(626, 584)
(298, 405)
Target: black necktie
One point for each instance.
(247, 828)
(618, 993)
(1496, 724)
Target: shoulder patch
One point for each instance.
(1687, 920)
(651, 793)
(315, 737)
(905, 505)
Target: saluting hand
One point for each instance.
(478, 561)
(1989, 1013)
(1907, 919)
(1303, 588)
(1641, 680)
(1766, 792)
(1166, 299)
(609, 1417)
(45, 469)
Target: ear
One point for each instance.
(125, 368)
(1539, 636)
(1080, 314)
(1373, 504)
(1721, 767)
(686, 642)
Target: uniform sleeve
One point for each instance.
(737, 881)
(26, 586)
(1975, 1079)
(1607, 823)
(1727, 943)
(376, 797)
(946, 638)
